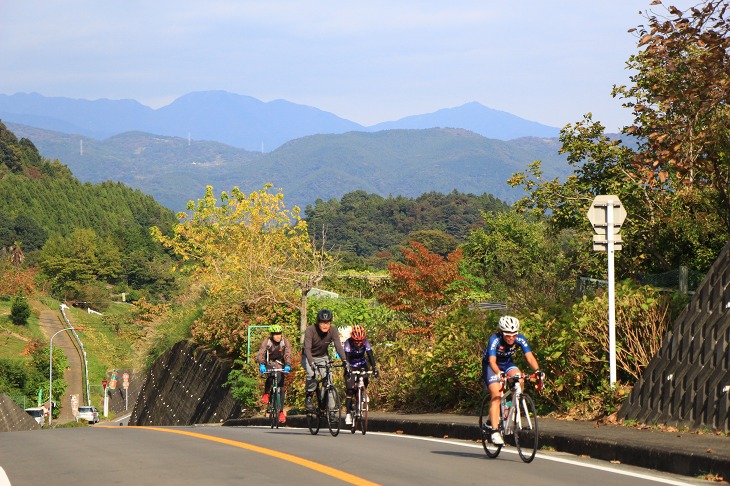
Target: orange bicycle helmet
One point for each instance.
(357, 333)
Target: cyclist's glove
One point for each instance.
(287, 368)
(540, 374)
(262, 368)
(376, 373)
(347, 369)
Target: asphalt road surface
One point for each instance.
(214, 455)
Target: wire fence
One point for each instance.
(24, 401)
(680, 279)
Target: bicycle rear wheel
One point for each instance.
(526, 435)
(334, 411)
(364, 412)
(485, 429)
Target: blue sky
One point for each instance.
(369, 62)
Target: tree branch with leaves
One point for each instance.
(249, 252)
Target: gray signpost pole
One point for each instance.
(611, 293)
(606, 215)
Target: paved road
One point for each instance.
(687, 454)
(50, 323)
(258, 455)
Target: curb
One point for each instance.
(665, 459)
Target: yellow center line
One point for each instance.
(330, 471)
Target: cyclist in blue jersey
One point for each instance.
(359, 355)
(497, 363)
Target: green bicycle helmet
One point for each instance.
(275, 329)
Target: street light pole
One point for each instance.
(50, 371)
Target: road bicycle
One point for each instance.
(518, 421)
(328, 407)
(361, 402)
(276, 397)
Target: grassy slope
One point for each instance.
(13, 339)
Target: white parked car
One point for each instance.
(90, 414)
(38, 413)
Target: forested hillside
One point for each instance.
(81, 235)
(391, 162)
(367, 225)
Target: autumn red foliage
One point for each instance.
(423, 288)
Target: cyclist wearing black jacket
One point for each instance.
(317, 339)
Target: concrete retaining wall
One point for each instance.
(14, 418)
(185, 387)
(687, 384)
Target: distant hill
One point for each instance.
(240, 121)
(476, 118)
(391, 162)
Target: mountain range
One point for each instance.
(317, 156)
(240, 121)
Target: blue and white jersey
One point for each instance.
(503, 351)
(356, 356)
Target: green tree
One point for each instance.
(673, 172)
(436, 241)
(29, 232)
(516, 259)
(80, 258)
(19, 309)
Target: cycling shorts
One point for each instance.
(493, 377)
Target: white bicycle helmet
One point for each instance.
(509, 324)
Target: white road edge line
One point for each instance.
(545, 457)
(4, 480)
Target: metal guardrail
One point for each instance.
(489, 306)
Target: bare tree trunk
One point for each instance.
(303, 316)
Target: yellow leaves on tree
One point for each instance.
(248, 251)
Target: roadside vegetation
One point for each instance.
(414, 272)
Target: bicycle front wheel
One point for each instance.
(363, 419)
(334, 411)
(313, 416)
(485, 429)
(526, 434)
(355, 415)
(275, 406)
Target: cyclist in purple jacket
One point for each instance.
(359, 355)
(497, 363)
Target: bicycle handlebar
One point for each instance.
(329, 364)
(517, 377)
(274, 370)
